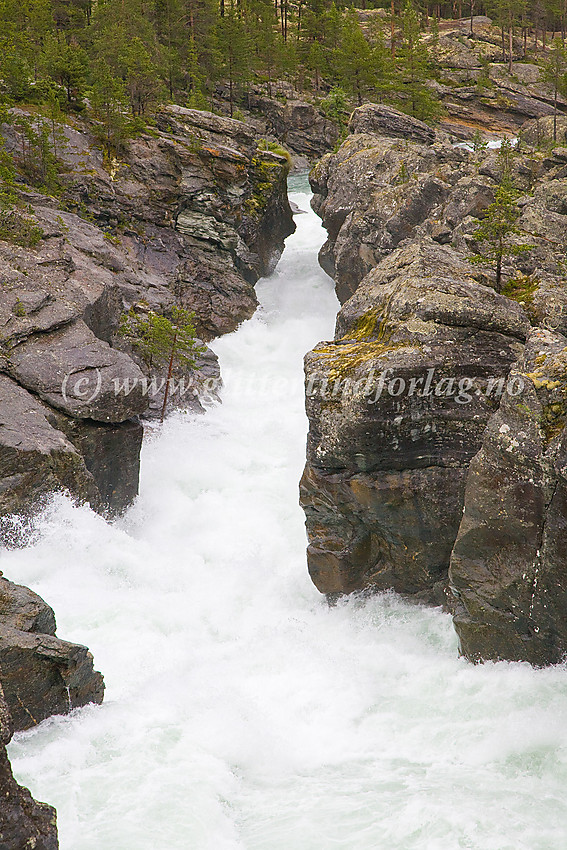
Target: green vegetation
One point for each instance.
(497, 230)
(555, 74)
(159, 340)
(120, 58)
(276, 148)
(155, 337)
(15, 225)
(117, 60)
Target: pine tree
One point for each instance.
(414, 67)
(555, 74)
(497, 229)
(109, 102)
(353, 59)
(234, 47)
(67, 64)
(316, 62)
(159, 339)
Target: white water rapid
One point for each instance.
(241, 712)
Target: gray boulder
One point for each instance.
(74, 371)
(41, 675)
(35, 456)
(386, 121)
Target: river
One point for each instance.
(241, 712)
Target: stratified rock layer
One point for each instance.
(41, 675)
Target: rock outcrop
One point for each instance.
(284, 115)
(397, 406)
(40, 674)
(191, 216)
(24, 823)
(509, 563)
(439, 394)
(378, 188)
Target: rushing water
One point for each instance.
(241, 712)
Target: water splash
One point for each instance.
(241, 712)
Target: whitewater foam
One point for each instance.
(241, 712)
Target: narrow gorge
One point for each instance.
(241, 711)
(240, 590)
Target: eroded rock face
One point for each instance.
(199, 208)
(376, 191)
(390, 458)
(385, 121)
(509, 563)
(24, 823)
(40, 674)
(283, 114)
(191, 216)
(397, 407)
(35, 455)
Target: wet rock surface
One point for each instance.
(509, 563)
(23, 821)
(393, 458)
(190, 216)
(41, 674)
(397, 406)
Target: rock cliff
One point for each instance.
(438, 394)
(40, 674)
(24, 823)
(189, 215)
(508, 566)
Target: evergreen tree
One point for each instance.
(497, 229)
(67, 64)
(353, 59)
(414, 67)
(159, 339)
(109, 102)
(234, 47)
(316, 62)
(555, 74)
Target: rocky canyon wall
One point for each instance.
(434, 456)
(189, 215)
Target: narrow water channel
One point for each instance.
(242, 713)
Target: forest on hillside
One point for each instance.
(117, 59)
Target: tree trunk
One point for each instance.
(499, 266)
(169, 371)
(510, 46)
